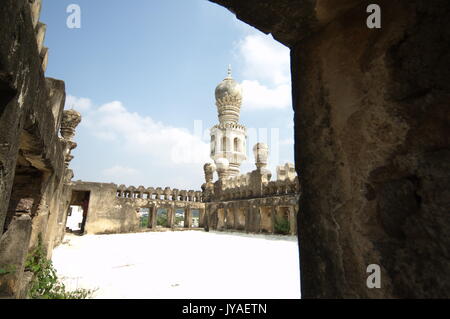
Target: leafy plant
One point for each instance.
(282, 225)
(162, 220)
(45, 283)
(144, 221)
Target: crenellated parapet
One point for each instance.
(151, 193)
(240, 187)
(40, 29)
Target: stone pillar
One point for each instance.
(273, 213)
(188, 217)
(234, 209)
(256, 219)
(153, 217)
(292, 220)
(248, 219)
(171, 216)
(201, 217)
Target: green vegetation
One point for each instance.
(282, 225)
(45, 284)
(179, 219)
(144, 221)
(161, 220)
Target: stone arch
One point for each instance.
(240, 218)
(224, 144)
(237, 144)
(213, 145)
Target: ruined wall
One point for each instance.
(114, 209)
(252, 202)
(372, 141)
(106, 215)
(32, 167)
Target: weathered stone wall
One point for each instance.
(105, 214)
(32, 167)
(114, 209)
(255, 215)
(372, 141)
(252, 202)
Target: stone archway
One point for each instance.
(371, 137)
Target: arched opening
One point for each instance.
(237, 145)
(78, 212)
(180, 217)
(230, 218)
(195, 218)
(240, 218)
(162, 218)
(144, 218)
(213, 145)
(282, 223)
(225, 144)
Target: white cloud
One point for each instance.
(267, 70)
(265, 59)
(79, 104)
(171, 156)
(258, 96)
(144, 136)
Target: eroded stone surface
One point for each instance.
(372, 141)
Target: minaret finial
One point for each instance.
(229, 71)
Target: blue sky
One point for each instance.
(143, 75)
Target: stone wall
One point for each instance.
(32, 163)
(372, 137)
(252, 202)
(115, 209)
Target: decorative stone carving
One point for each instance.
(228, 99)
(222, 166)
(209, 170)
(69, 123)
(70, 120)
(261, 152)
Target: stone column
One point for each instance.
(171, 216)
(248, 219)
(256, 219)
(201, 217)
(188, 217)
(273, 213)
(153, 217)
(293, 220)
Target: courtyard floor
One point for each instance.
(181, 265)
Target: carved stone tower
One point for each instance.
(228, 138)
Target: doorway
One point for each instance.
(78, 212)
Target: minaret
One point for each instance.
(228, 138)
